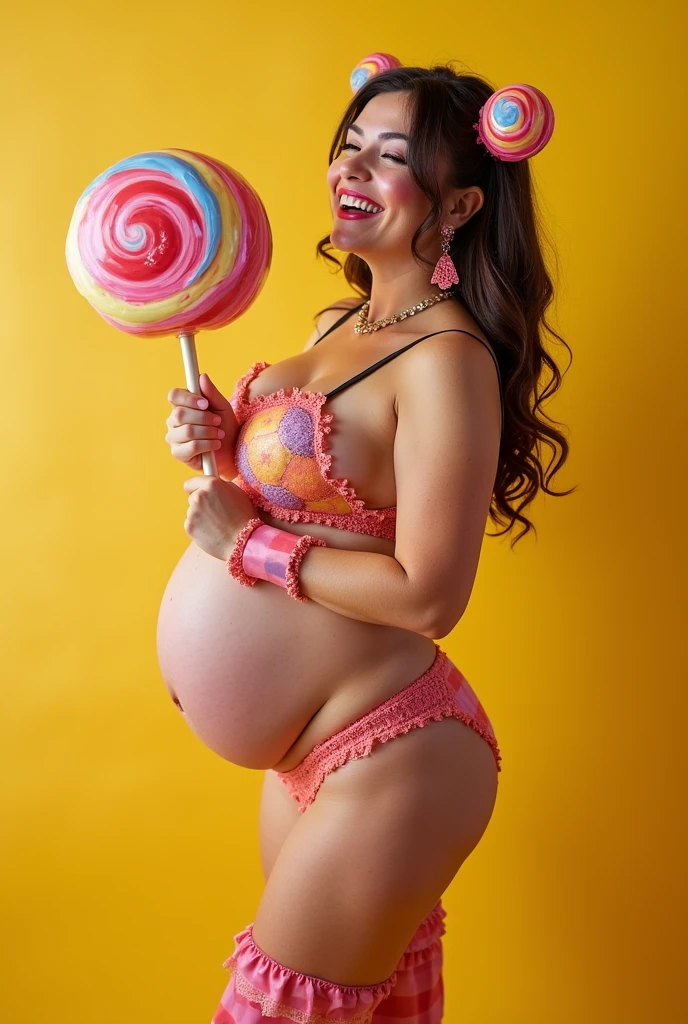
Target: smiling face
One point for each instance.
(372, 163)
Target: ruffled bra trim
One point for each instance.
(377, 522)
(341, 521)
(238, 400)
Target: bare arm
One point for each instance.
(445, 459)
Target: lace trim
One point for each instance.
(360, 517)
(270, 1008)
(238, 400)
(341, 521)
(248, 956)
(411, 708)
(486, 734)
(429, 932)
(382, 723)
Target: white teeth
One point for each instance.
(359, 204)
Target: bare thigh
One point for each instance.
(360, 869)
(278, 814)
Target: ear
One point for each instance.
(463, 203)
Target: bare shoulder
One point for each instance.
(329, 316)
(451, 367)
(454, 339)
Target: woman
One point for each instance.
(380, 764)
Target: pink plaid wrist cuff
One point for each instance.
(275, 556)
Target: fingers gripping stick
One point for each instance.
(188, 343)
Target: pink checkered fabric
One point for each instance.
(417, 995)
(267, 554)
(261, 989)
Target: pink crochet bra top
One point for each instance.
(282, 459)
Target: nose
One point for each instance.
(354, 166)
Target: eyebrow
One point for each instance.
(382, 135)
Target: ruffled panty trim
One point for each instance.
(429, 930)
(413, 707)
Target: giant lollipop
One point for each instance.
(167, 242)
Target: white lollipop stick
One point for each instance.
(188, 343)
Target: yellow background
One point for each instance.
(129, 851)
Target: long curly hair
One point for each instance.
(503, 280)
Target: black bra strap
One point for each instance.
(393, 355)
(337, 322)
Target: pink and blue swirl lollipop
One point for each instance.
(516, 122)
(371, 65)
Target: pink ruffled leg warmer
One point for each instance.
(260, 989)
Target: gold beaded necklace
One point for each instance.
(363, 326)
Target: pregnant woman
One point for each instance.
(298, 632)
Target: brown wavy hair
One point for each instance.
(503, 281)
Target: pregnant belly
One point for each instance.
(254, 671)
(232, 657)
(261, 678)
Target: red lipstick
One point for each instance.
(354, 214)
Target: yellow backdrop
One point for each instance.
(129, 851)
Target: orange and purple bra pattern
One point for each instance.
(284, 466)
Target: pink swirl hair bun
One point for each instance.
(516, 122)
(371, 65)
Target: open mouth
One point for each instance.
(352, 208)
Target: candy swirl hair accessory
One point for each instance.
(516, 122)
(371, 65)
(170, 241)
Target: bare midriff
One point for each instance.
(262, 678)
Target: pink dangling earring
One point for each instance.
(445, 272)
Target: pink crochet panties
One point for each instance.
(441, 692)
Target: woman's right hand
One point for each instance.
(192, 430)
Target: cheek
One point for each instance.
(402, 194)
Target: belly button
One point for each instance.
(176, 701)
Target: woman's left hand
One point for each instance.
(218, 510)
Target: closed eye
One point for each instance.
(390, 156)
